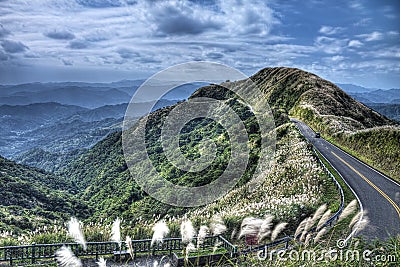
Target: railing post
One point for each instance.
(9, 250)
(33, 252)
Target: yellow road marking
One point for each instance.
(370, 183)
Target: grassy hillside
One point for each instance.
(291, 189)
(104, 180)
(31, 198)
(339, 117)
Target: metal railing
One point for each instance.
(35, 252)
(335, 216)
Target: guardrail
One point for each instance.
(285, 240)
(34, 252)
(339, 188)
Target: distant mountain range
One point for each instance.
(371, 95)
(44, 123)
(88, 95)
(386, 102)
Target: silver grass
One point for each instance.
(305, 231)
(217, 245)
(300, 227)
(350, 208)
(66, 258)
(265, 228)
(160, 231)
(75, 231)
(307, 241)
(128, 242)
(189, 248)
(318, 213)
(359, 226)
(233, 234)
(320, 234)
(250, 226)
(187, 231)
(217, 226)
(356, 218)
(324, 218)
(277, 230)
(202, 235)
(116, 231)
(102, 262)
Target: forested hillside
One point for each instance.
(31, 198)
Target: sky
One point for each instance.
(349, 41)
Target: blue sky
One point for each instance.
(106, 40)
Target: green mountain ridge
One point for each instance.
(32, 197)
(100, 176)
(103, 176)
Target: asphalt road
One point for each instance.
(378, 194)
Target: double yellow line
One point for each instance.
(396, 207)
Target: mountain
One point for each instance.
(54, 127)
(48, 135)
(352, 88)
(391, 111)
(105, 182)
(72, 95)
(88, 95)
(32, 198)
(15, 119)
(391, 96)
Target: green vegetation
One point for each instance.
(389, 110)
(290, 189)
(31, 198)
(340, 118)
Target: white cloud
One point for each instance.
(337, 58)
(356, 4)
(393, 33)
(328, 30)
(373, 36)
(330, 45)
(355, 43)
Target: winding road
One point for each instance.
(378, 195)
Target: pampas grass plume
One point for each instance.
(102, 262)
(324, 218)
(350, 208)
(202, 235)
(160, 231)
(66, 258)
(320, 234)
(277, 230)
(187, 231)
(75, 231)
(116, 231)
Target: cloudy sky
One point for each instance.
(107, 40)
